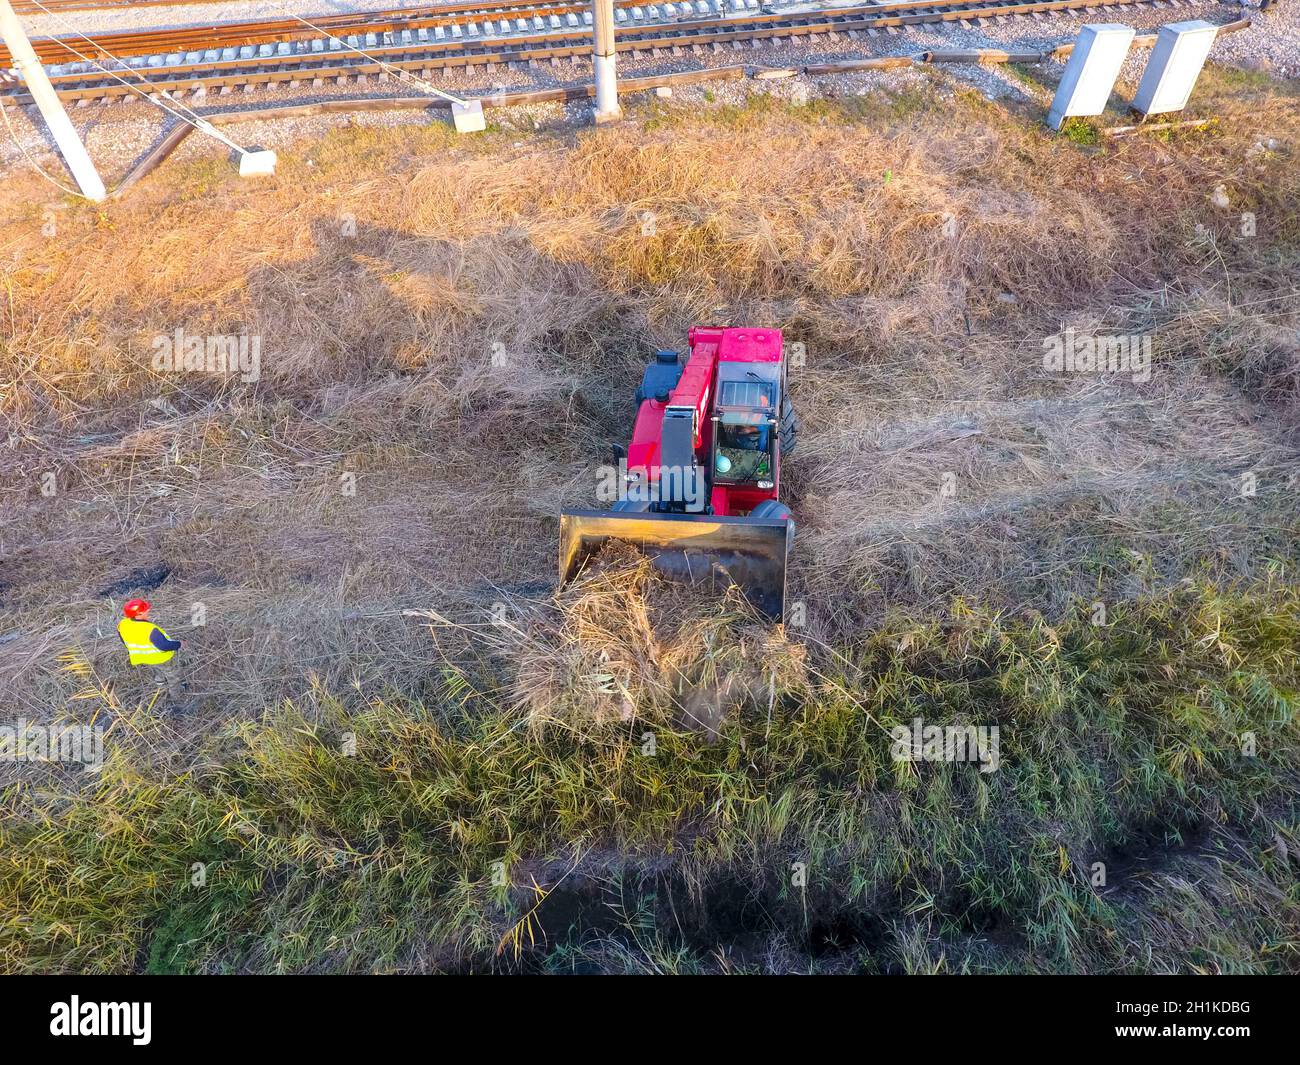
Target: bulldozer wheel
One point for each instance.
(773, 508)
(789, 432)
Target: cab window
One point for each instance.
(743, 453)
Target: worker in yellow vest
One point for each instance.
(148, 645)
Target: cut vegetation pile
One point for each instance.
(403, 753)
(625, 644)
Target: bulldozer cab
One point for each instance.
(744, 445)
(744, 449)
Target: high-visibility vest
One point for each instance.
(135, 634)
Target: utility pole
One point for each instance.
(604, 60)
(51, 107)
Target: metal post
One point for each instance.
(51, 107)
(607, 109)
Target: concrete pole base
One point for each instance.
(607, 107)
(255, 163)
(468, 117)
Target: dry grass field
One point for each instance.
(451, 331)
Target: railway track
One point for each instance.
(391, 22)
(439, 47)
(26, 7)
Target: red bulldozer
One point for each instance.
(700, 480)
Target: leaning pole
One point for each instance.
(51, 107)
(604, 61)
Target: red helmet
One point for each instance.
(135, 608)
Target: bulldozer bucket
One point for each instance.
(750, 553)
